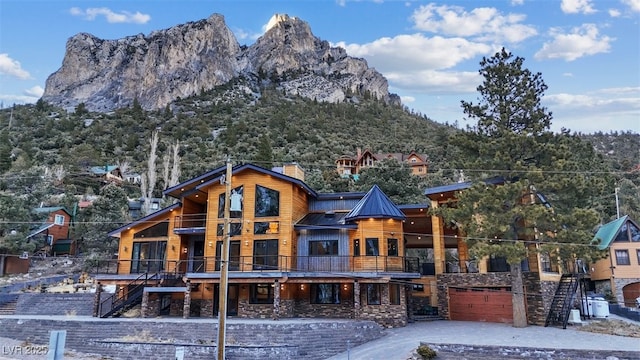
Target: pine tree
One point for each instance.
(533, 190)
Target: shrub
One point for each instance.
(426, 352)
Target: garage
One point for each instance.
(480, 304)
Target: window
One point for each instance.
(148, 256)
(236, 229)
(267, 202)
(157, 230)
(373, 294)
(622, 257)
(356, 247)
(638, 254)
(265, 254)
(266, 227)
(394, 294)
(325, 293)
(323, 247)
(59, 220)
(261, 294)
(234, 255)
(372, 246)
(392, 247)
(235, 203)
(50, 239)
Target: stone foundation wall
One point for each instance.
(539, 295)
(177, 307)
(287, 308)
(153, 307)
(344, 310)
(246, 339)
(621, 283)
(385, 314)
(497, 279)
(418, 302)
(254, 311)
(206, 308)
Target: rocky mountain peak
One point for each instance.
(183, 60)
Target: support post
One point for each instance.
(356, 299)
(224, 266)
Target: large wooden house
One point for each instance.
(293, 252)
(619, 273)
(348, 165)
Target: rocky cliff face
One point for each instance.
(185, 59)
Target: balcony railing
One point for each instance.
(263, 263)
(188, 221)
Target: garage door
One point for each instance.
(480, 304)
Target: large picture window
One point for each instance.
(265, 254)
(261, 294)
(267, 202)
(157, 230)
(148, 256)
(266, 227)
(622, 257)
(325, 293)
(323, 247)
(373, 294)
(235, 203)
(372, 246)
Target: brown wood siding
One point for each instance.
(480, 305)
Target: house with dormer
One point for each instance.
(619, 273)
(348, 165)
(293, 252)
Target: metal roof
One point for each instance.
(327, 220)
(608, 232)
(375, 204)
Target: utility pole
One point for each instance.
(617, 205)
(224, 265)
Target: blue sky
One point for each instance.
(587, 51)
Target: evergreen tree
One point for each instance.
(533, 190)
(5, 151)
(394, 179)
(106, 213)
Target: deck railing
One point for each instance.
(262, 263)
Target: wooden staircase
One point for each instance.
(562, 301)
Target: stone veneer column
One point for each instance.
(276, 300)
(96, 300)
(144, 307)
(356, 299)
(186, 309)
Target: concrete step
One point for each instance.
(8, 308)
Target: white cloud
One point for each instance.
(517, 2)
(416, 52)
(582, 41)
(577, 6)
(111, 16)
(634, 5)
(11, 67)
(483, 23)
(35, 91)
(601, 110)
(435, 82)
(407, 99)
(614, 13)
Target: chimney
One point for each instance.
(294, 170)
(358, 153)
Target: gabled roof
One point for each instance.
(327, 220)
(375, 204)
(101, 170)
(607, 233)
(116, 232)
(460, 186)
(40, 229)
(215, 175)
(49, 210)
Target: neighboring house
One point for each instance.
(348, 165)
(53, 234)
(293, 252)
(108, 173)
(135, 206)
(133, 178)
(620, 272)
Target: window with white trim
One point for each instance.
(59, 220)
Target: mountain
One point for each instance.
(187, 59)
